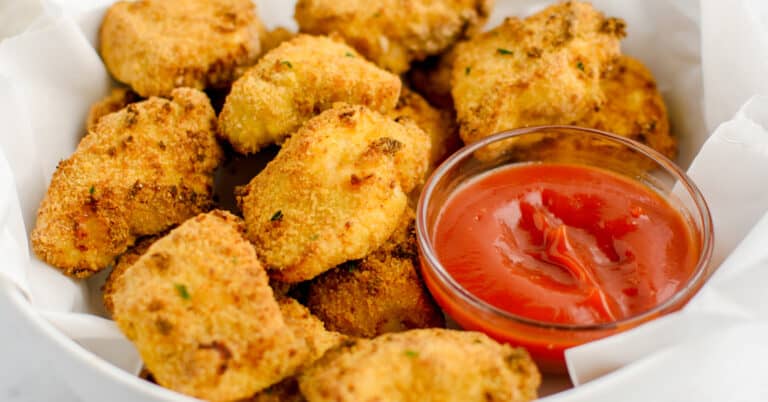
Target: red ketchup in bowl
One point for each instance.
(562, 244)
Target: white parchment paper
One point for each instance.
(709, 58)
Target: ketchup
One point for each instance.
(565, 244)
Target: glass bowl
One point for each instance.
(547, 341)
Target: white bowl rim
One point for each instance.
(82, 355)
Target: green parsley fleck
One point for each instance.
(91, 190)
(467, 70)
(503, 51)
(580, 65)
(411, 353)
(377, 14)
(314, 237)
(349, 54)
(278, 216)
(287, 63)
(182, 289)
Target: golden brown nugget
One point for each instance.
(296, 81)
(157, 45)
(201, 314)
(334, 192)
(393, 33)
(423, 365)
(140, 171)
(543, 70)
(123, 263)
(381, 293)
(272, 39)
(634, 107)
(438, 124)
(117, 99)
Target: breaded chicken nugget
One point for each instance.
(201, 314)
(296, 81)
(335, 191)
(382, 293)
(140, 171)
(438, 124)
(423, 365)
(304, 326)
(634, 107)
(394, 33)
(543, 70)
(432, 78)
(157, 45)
(117, 99)
(274, 38)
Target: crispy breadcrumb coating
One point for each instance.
(381, 293)
(439, 124)
(296, 81)
(157, 45)
(117, 99)
(543, 70)
(394, 33)
(274, 38)
(335, 191)
(140, 171)
(423, 365)
(199, 310)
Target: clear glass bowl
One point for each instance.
(547, 341)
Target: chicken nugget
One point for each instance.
(117, 99)
(335, 191)
(423, 365)
(304, 326)
(438, 124)
(198, 307)
(275, 38)
(381, 293)
(296, 81)
(393, 33)
(157, 45)
(543, 70)
(634, 107)
(140, 171)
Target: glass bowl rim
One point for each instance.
(427, 252)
